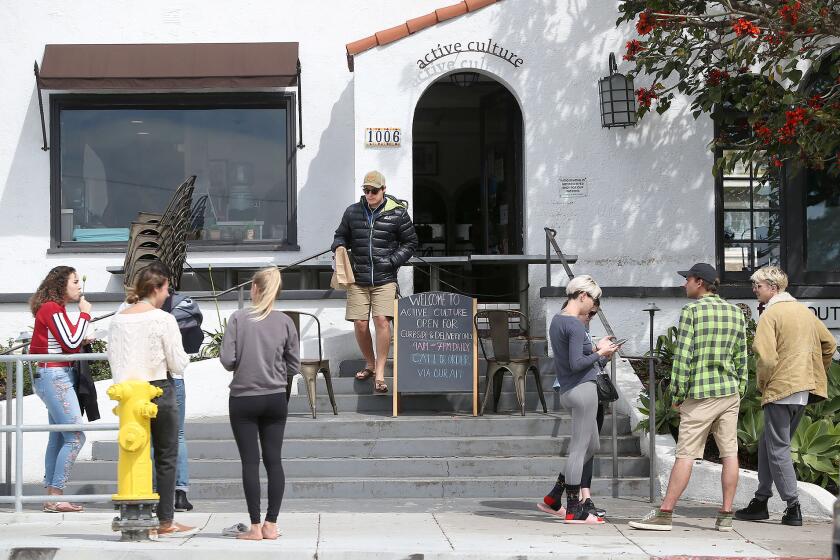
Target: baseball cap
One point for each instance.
(374, 179)
(704, 271)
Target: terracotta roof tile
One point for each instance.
(414, 25)
(361, 45)
(422, 22)
(393, 34)
(452, 11)
(473, 5)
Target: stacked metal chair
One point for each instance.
(162, 237)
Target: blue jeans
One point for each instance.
(182, 473)
(54, 386)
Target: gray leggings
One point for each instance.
(582, 403)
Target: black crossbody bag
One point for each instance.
(606, 390)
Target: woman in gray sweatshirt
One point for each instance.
(576, 365)
(261, 347)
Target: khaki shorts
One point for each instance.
(700, 416)
(364, 301)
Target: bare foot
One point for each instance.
(269, 531)
(255, 534)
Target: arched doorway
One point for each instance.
(467, 181)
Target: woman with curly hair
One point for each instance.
(54, 381)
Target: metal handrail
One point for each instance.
(551, 244)
(19, 428)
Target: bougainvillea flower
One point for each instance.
(743, 27)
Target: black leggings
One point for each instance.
(586, 475)
(164, 429)
(259, 422)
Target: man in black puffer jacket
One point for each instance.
(378, 233)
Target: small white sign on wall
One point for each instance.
(383, 137)
(573, 187)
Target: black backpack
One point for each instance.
(189, 318)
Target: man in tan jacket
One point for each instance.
(794, 351)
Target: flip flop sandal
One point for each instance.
(62, 507)
(235, 530)
(364, 375)
(177, 531)
(380, 387)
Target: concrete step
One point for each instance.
(380, 487)
(352, 425)
(513, 467)
(438, 402)
(421, 448)
(348, 368)
(352, 386)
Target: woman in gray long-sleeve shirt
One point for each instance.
(261, 347)
(576, 365)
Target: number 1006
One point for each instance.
(382, 136)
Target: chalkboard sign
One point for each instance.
(435, 345)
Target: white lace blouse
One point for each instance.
(144, 346)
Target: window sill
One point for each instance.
(70, 248)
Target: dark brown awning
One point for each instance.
(147, 67)
(169, 66)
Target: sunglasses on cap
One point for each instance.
(370, 190)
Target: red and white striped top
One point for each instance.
(54, 332)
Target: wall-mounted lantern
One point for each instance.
(618, 102)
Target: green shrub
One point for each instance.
(213, 347)
(101, 369)
(816, 451)
(750, 426)
(667, 418)
(8, 368)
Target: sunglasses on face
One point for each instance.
(592, 313)
(370, 190)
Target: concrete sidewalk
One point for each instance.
(432, 529)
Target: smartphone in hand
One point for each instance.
(620, 341)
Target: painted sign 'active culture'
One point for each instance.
(489, 47)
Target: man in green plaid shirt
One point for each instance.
(711, 356)
(708, 378)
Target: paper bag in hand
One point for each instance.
(343, 275)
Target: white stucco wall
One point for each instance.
(650, 204)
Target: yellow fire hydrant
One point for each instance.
(134, 498)
(134, 470)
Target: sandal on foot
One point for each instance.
(177, 531)
(364, 375)
(62, 507)
(380, 386)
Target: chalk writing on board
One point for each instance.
(435, 344)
